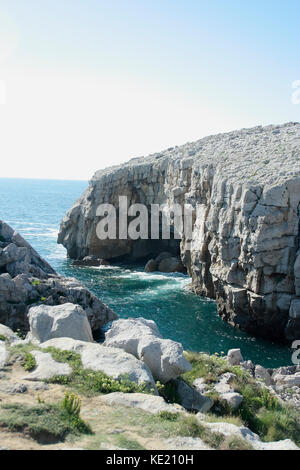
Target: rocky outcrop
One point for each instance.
(165, 263)
(67, 320)
(112, 361)
(151, 403)
(142, 338)
(27, 280)
(244, 188)
(47, 368)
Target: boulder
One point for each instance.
(9, 334)
(191, 399)
(226, 392)
(171, 265)
(287, 380)
(163, 255)
(4, 355)
(200, 385)
(27, 280)
(232, 399)
(112, 361)
(241, 432)
(150, 403)
(47, 368)
(234, 357)
(141, 338)
(60, 321)
(151, 266)
(262, 374)
(90, 261)
(12, 388)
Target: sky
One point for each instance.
(86, 84)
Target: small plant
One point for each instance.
(72, 404)
(168, 416)
(44, 422)
(36, 282)
(43, 299)
(28, 362)
(3, 338)
(20, 333)
(169, 392)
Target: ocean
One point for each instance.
(35, 208)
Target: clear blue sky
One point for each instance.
(90, 83)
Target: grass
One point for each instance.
(164, 425)
(3, 338)
(128, 444)
(28, 362)
(46, 423)
(260, 410)
(84, 381)
(89, 382)
(169, 392)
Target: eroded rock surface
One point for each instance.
(27, 280)
(151, 403)
(142, 338)
(244, 188)
(59, 321)
(112, 361)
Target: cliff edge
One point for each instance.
(245, 247)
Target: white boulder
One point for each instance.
(191, 399)
(262, 374)
(9, 334)
(47, 367)
(234, 357)
(3, 354)
(59, 321)
(113, 362)
(141, 338)
(151, 403)
(231, 430)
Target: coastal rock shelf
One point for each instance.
(26, 280)
(245, 250)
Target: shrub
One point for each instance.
(44, 422)
(28, 362)
(168, 416)
(169, 392)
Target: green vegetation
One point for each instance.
(260, 410)
(165, 425)
(128, 444)
(36, 282)
(89, 382)
(28, 362)
(45, 422)
(168, 391)
(168, 416)
(3, 338)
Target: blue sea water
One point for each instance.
(36, 207)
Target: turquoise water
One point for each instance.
(36, 207)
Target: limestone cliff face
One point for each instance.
(245, 248)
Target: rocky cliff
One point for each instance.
(245, 248)
(27, 280)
